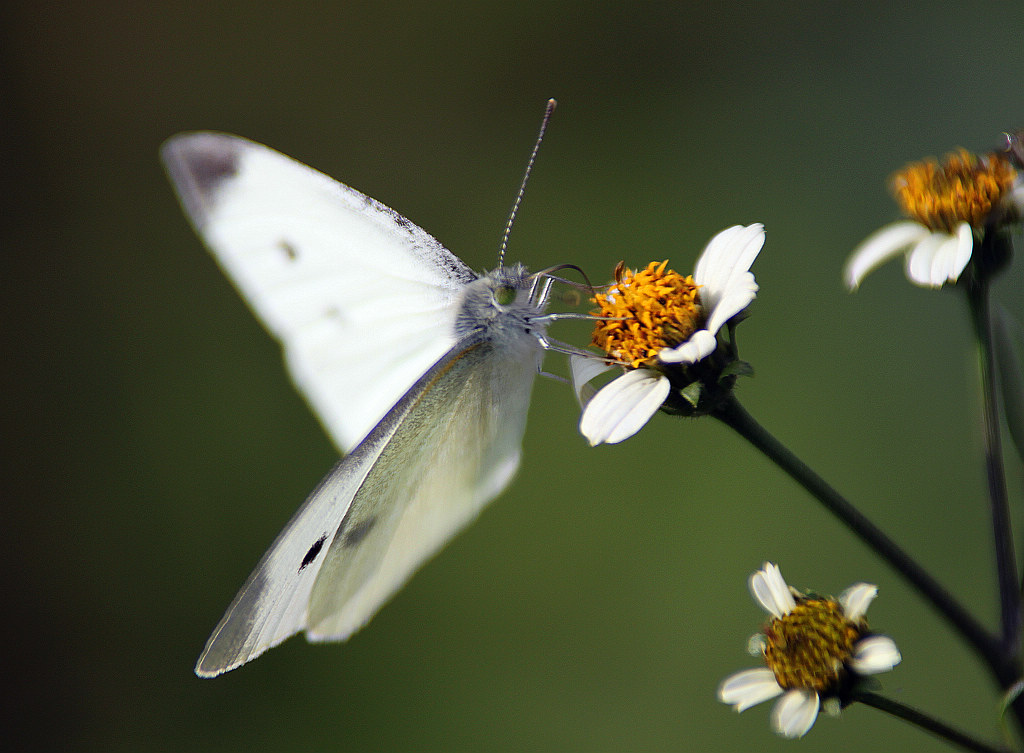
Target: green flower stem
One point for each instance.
(733, 414)
(1006, 563)
(925, 722)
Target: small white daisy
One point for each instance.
(812, 646)
(949, 206)
(654, 319)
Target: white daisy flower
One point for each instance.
(949, 205)
(812, 646)
(655, 319)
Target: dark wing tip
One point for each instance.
(199, 164)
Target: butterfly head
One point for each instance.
(502, 306)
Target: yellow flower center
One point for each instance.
(964, 188)
(646, 311)
(809, 646)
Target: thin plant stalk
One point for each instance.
(1006, 564)
(992, 650)
(925, 722)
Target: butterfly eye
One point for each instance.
(504, 295)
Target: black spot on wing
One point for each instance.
(358, 531)
(313, 552)
(199, 164)
(289, 249)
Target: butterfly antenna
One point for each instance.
(549, 108)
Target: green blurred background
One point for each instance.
(156, 446)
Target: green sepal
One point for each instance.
(692, 393)
(736, 369)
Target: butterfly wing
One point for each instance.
(450, 445)
(360, 297)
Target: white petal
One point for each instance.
(712, 259)
(771, 591)
(700, 345)
(875, 654)
(742, 290)
(965, 247)
(621, 408)
(748, 688)
(942, 261)
(794, 714)
(725, 259)
(878, 248)
(583, 371)
(856, 599)
(922, 257)
(951, 256)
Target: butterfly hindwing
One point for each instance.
(386, 507)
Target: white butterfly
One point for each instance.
(419, 368)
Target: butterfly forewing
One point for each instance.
(360, 297)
